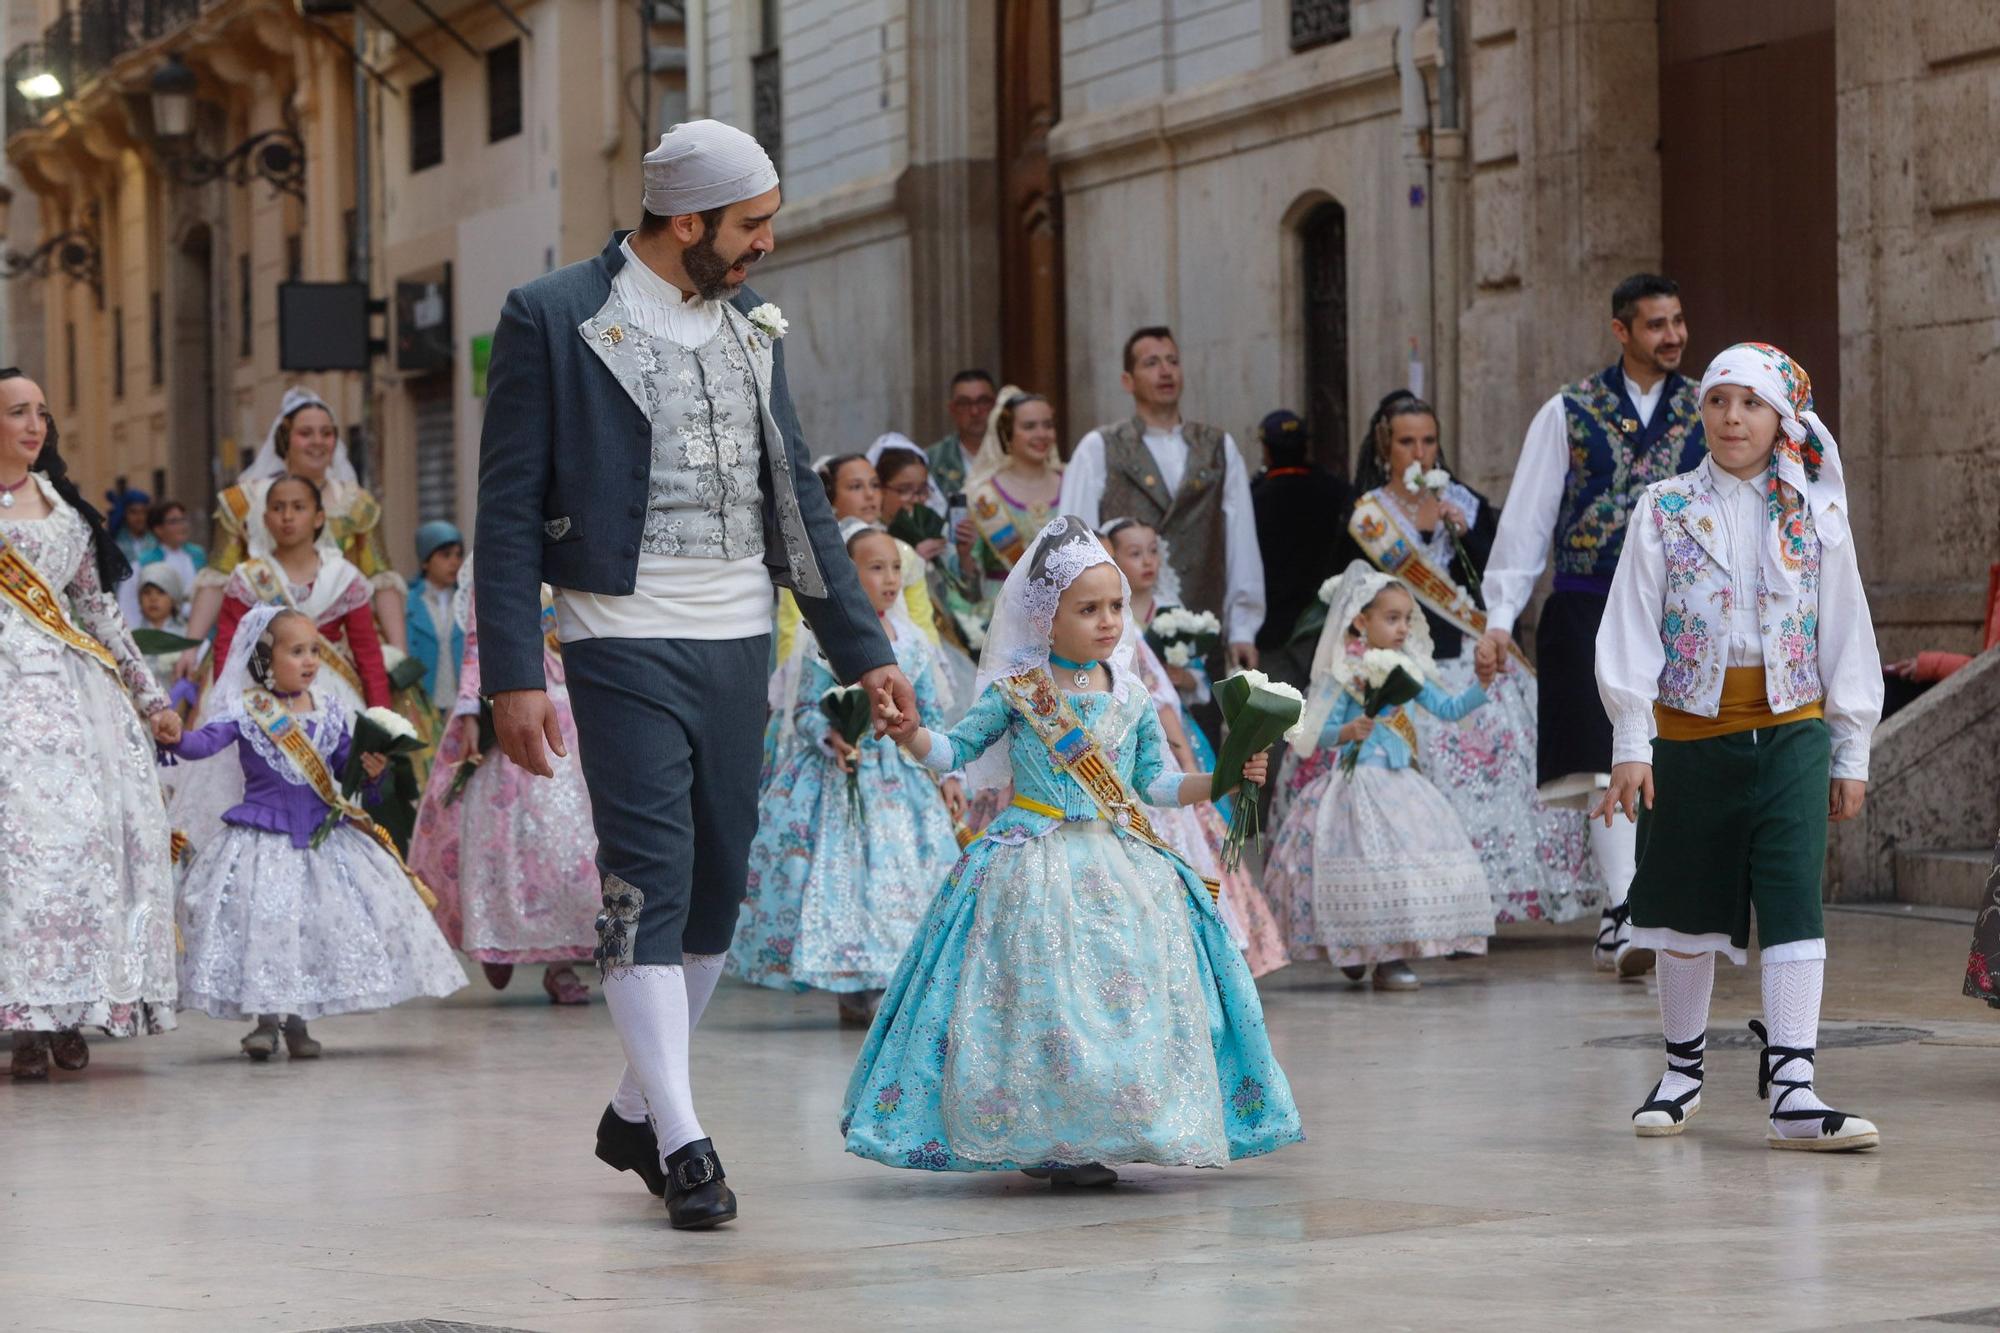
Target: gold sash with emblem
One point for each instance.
(270, 589)
(1381, 536)
(1072, 751)
(995, 520)
(22, 584)
(277, 722)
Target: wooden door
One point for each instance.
(1748, 221)
(1032, 342)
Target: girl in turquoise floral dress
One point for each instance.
(1071, 1000)
(852, 843)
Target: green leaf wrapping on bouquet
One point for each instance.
(1254, 720)
(1311, 621)
(1397, 689)
(407, 672)
(372, 737)
(850, 711)
(917, 524)
(489, 741)
(152, 642)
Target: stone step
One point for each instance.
(1943, 877)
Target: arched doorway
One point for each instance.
(1323, 282)
(1032, 342)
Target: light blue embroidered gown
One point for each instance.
(1072, 995)
(839, 877)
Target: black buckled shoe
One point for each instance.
(631, 1147)
(696, 1195)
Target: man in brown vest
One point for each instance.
(1185, 480)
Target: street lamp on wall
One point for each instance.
(74, 253)
(276, 157)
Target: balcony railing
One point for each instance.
(83, 41)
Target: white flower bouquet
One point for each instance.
(1184, 638)
(1417, 480)
(852, 714)
(1257, 712)
(380, 731)
(1393, 680)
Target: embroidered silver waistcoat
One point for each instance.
(703, 499)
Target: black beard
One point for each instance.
(708, 270)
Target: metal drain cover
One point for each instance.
(1743, 1039)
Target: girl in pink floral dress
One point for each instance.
(511, 857)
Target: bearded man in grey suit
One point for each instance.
(641, 456)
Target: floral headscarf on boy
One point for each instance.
(1337, 658)
(1805, 471)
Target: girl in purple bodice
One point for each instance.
(274, 926)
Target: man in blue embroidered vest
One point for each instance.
(642, 457)
(1590, 453)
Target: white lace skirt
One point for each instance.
(271, 928)
(1394, 874)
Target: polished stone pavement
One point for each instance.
(1469, 1165)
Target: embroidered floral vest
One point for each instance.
(1694, 615)
(1612, 459)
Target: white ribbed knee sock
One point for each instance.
(649, 1007)
(1791, 1009)
(700, 972)
(1617, 852)
(1685, 984)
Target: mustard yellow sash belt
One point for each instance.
(1745, 706)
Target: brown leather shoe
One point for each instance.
(31, 1056)
(498, 974)
(299, 1043)
(262, 1043)
(69, 1050)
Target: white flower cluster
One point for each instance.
(1378, 664)
(391, 722)
(770, 319)
(1179, 654)
(1177, 621)
(1416, 479)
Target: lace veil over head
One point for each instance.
(269, 463)
(1024, 616)
(1334, 664)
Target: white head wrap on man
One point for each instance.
(1024, 618)
(1337, 657)
(704, 164)
(1805, 471)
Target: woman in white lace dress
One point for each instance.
(86, 885)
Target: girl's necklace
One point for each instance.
(7, 491)
(1082, 669)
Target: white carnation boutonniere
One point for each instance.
(769, 320)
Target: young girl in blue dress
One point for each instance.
(1373, 867)
(1072, 1000)
(852, 842)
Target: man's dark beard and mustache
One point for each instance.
(709, 270)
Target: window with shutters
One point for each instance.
(426, 103)
(1318, 22)
(437, 448)
(503, 92)
(1323, 234)
(767, 112)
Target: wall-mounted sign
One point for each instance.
(423, 324)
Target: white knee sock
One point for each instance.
(700, 972)
(649, 1007)
(1617, 852)
(1685, 984)
(1791, 1009)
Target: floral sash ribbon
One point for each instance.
(277, 722)
(1072, 751)
(270, 590)
(22, 584)
(1395, 554)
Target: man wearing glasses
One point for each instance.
(970, 404)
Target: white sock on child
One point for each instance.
(1617, 852)
(1685, 985)
(649, 1007)
(700, 972)
(1791, 1008)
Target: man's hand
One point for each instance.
(1629, 782)
(1243, 656)
(166, 726)
(523, 720)
(898, 721)
(1844, 798)
(1491, 652)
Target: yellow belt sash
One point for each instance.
(1744, 707)
(291, 739)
